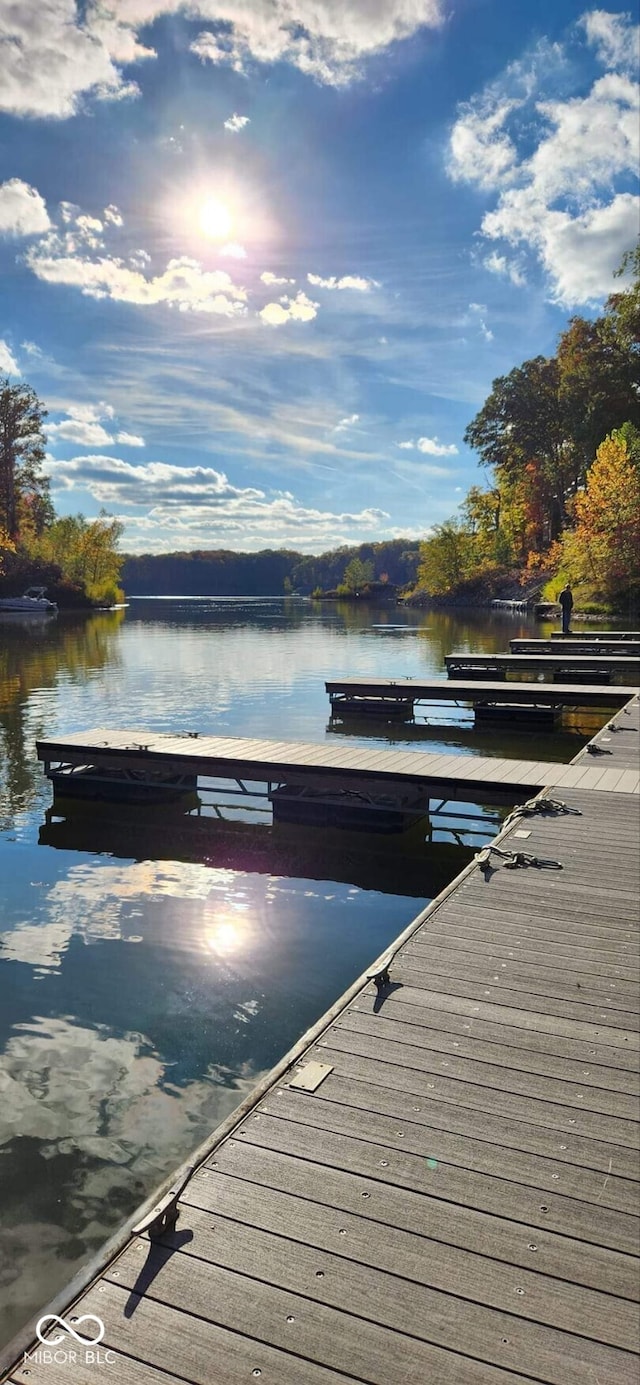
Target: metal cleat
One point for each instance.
(381, 973)
(164, 1215)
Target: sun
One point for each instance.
(215, 219)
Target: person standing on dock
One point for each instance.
(566, 601)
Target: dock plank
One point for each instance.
(280, 1317)
(501, 1050)
(458, 1186)
(462, 1273)
(430, 1218)
(505, 1077)
(389, 1131)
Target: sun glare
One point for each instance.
(215, 219)
(225, 936)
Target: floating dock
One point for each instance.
(573, 644)
(439, 1183)
(596, 634)
(305, 783)
(532, 706)
(590, 668)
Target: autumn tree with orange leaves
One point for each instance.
(603, 550)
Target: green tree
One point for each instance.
(357, 575)
(86, 551)
(446, 557)
(523, 421)
(597, 388)
(623, 310)
(24, 490)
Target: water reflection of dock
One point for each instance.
(439, 1182)
(319, 785)
(504, 706)
(417, 869)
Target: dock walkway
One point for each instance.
(454, 1197)
(412, 776)
(441, 690)
(596, 634)
(572, 644)
(595, 666)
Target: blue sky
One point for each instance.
(262, 259)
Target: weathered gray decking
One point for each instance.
(463, 777)
(574, 644)
(624, 666)
(596, 634)
(457, 1202)
(474, 691)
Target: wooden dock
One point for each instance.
(103, 761)
(594, 667)
(596, 634)
(440, 1182)
(522, 704)
(441, 690)
(572, 644)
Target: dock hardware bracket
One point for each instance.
(380, 974)
(513, 859)
(164, 1215)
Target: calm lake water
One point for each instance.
(150, 972)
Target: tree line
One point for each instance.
(271, 572)
(560, 438)
(75, 558)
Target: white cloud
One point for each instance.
(113, 216)
(581, 253)
(22, 210)
(328, 41)
(90, 224)
(183, 284)
(139, 259)
(233, 251)
(84, 425)
(87, 232)
(52, 56)
(222, 50)
(236, 123)
(478, 313)
(8, 362)
(432, 447)
(348, 281)
(509, 269)
(129, 440)
(560, 170)
(83, 432)
(55, 52)
(481, 151)
(348, 422)
(191, 505)
(615, 39)
(298, 309)
(269, 278)
(91, 413)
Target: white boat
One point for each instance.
(32, 602)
